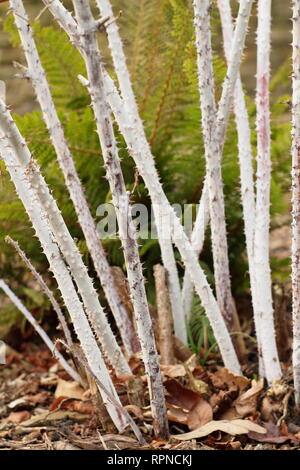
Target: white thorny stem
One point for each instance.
(29, 183)
(122, 206)
(39, 330)
(197, 241)
(262, 219)
(45, 288)
(67, 22)
(129, 100)
(296, 199)
(84, 283)
(234, 51)
(162, 209)
(134, 135)
(167, 253)
(213, 159)
(245, 160)
(39, 81)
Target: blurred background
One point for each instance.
(281, 39)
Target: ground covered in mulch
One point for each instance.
(209, 408)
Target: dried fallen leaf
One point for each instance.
(177, 414)
(181, 396)
(235, 427)
(275, 403)
(55, 405)
(223, 379)
(68, 389)
(64, 403)
(200, 414)
(38, 398)
(271, 409)
(278, 389)
(84, 407)
(245, 404)
(228, 444)
(173, 371)
(135, 411)
(17, 417)
(222, 400)
(273, 435)
(157, 444)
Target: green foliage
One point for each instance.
(200, 334)
(159, 42)
(8, 318)
(35, 301)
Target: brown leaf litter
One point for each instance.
(41, 408)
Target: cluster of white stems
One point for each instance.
(90, 323)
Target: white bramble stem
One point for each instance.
(245, 157)
(296, 199)
(79, 271)
(213, 159)
(167, 253)
(70, 252)
(36, 72)
(39, 330)
(234, 52)
(118, 56)
(67, 22)
(197, 241)
(121, 203)
(234, 61)
(141, 153)
(262, 220)
(169, 262)
(45, 288)
(81, 360)
(134, 135)
(244, 134)
(25, 176)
